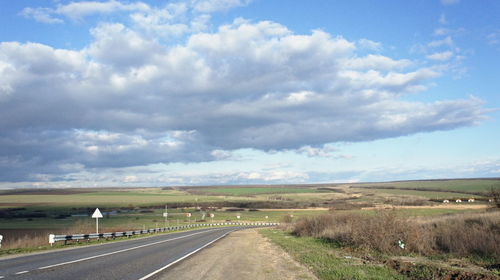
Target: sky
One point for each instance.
(216, 92)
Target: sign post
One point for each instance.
(212, 215)
(97, 214)
(166, 218)
(165, 214)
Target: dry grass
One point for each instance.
(26, 241)
(16, 239)
(469, 235)
(460, 235)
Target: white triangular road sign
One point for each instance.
(97, 214)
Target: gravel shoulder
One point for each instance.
(243, 255)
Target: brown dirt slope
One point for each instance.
(241, 255)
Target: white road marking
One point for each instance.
(183, 257)
(124, 250)
(21, 272)
(2, 277)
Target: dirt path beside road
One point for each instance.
(242, 255)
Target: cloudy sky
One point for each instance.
(196, 92)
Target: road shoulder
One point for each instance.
(243, 254)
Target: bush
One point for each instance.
(460, 235)
(479, 236)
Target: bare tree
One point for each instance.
(495, 195)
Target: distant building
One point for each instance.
(458, 201)
(446, 201)
(471, 200)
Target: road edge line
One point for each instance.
(186, 256)
(123, 250)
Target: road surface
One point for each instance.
(132, 259)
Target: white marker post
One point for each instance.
(165, 215)
(97, 214)
(212, 215)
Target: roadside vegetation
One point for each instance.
(466, 235)
(326, 259)
(457, 246)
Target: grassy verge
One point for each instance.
(326, 260)
(331, 260)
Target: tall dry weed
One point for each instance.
(462, 235)
(478, 236)
(26, 242)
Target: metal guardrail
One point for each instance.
(53, 238)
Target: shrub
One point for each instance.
(460, 235)
(479, 236)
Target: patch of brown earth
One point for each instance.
(241, 255)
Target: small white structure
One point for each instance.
(471, 200)
(458, 201)
(446, 201)
(490, 200)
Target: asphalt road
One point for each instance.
(143, 258)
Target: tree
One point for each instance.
(495, 195)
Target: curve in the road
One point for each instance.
(132, 259)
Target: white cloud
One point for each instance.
(441, 56)
(442, 19)
(441, 31)
(41, 15)
(130, 179)
(370, 45)
(325, 151)
(273, 176)
(130, 99)
(376, 62)
(494, 38)
(210, 6)
(221, 154)
(159, 18)
(167, 21)
(448, 41)
(79, 10)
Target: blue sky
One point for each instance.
(198, 92)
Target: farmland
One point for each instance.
(27, 216)
(467, 186)
(235, 191)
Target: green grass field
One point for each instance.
(136, 208)
(471, 185)
(258, 190)
(424, 193)
(104, 199)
